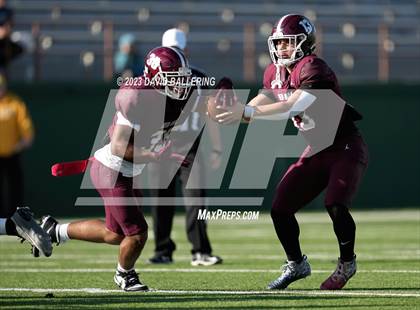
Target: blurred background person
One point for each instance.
(9, 50)
(127, 62)
(16, 135)
(6, 13)
(163, 215)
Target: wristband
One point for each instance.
(248, 112)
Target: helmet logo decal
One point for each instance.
(153, 61)
(306, 25)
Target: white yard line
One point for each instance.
(208, 292)
(185, 270)
(403, 254)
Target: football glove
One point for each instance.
(225, 95)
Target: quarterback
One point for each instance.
(338, 169)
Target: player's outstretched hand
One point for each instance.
(229, 115)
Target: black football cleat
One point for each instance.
(49, 225)
(129, 281)
(30, 231)
(161, 259)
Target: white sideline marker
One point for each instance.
(207, 292)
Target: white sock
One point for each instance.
(121, 269)
(62, 232)
(3, 226)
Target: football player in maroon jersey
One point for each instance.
(138, 135)
(338, 169)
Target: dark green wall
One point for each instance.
(67, 116)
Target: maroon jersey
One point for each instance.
(310, 72)
(151, 114)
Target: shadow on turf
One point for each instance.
(114, 301)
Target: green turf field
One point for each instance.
(79, 275)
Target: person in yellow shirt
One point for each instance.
(16, 134)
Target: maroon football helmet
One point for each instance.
(168, 71)
(299, 32)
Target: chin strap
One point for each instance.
(277, 83)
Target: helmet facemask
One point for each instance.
(174, 84)
(295, 43)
